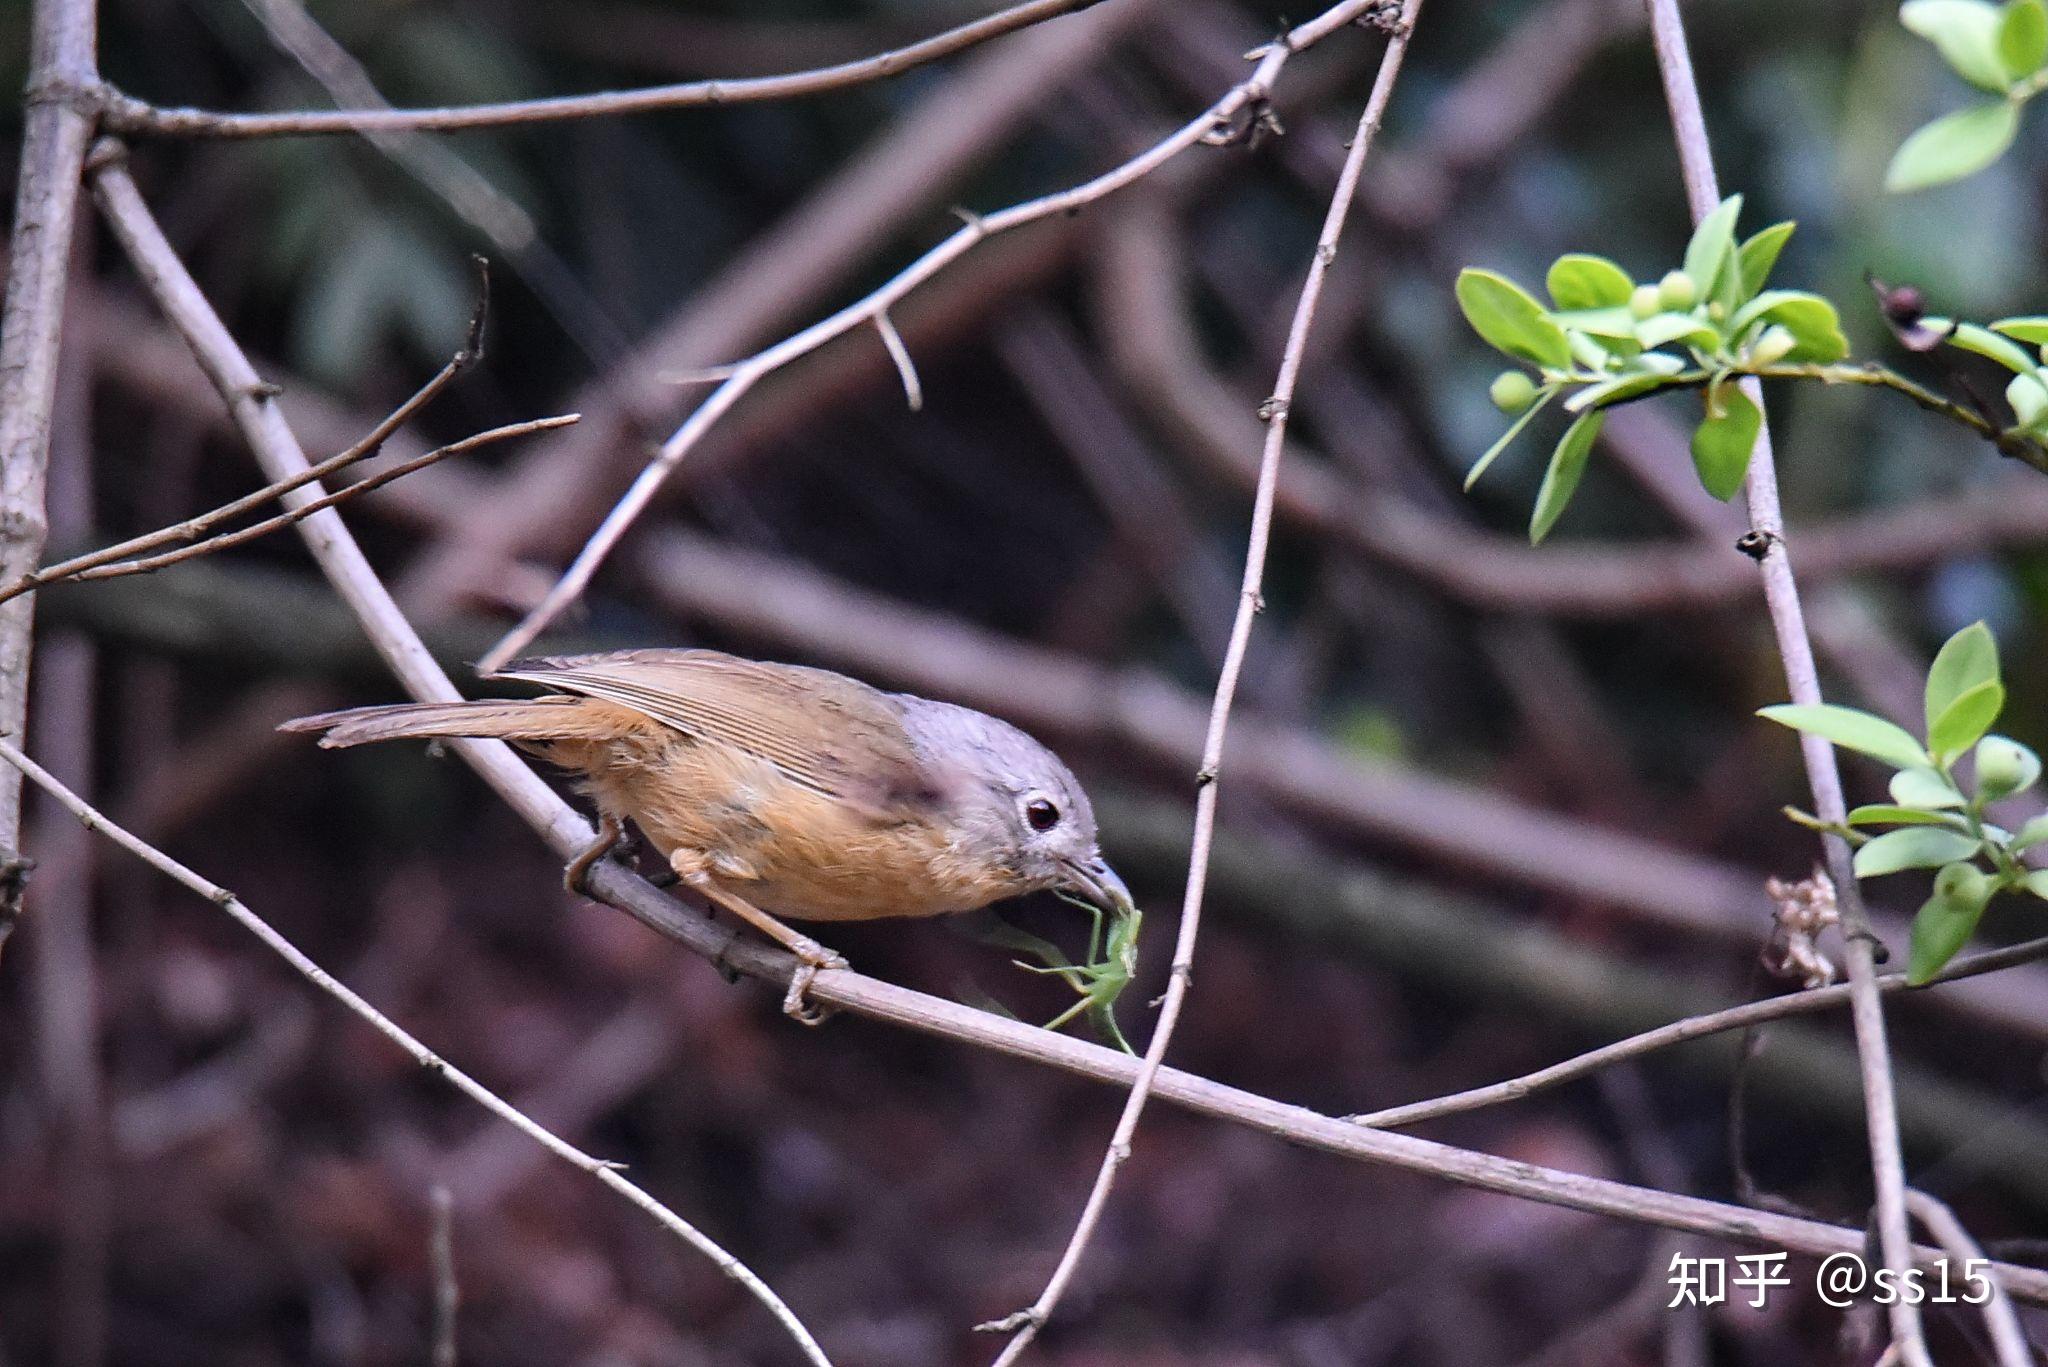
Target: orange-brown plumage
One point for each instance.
(791, 791)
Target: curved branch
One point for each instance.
(125, 114)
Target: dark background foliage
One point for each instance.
(201, 1163)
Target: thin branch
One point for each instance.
(1680, 1032)
(899, 354)
(2008, 1341)
(97, 566)
(55, 134)
(1781, 592)
(1250, 602)
(126, 114)
(1249, 94)
(604, 1171)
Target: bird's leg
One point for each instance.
(576, 877)
(690, 866)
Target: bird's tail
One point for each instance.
(535, 719)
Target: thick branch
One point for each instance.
(56, 132)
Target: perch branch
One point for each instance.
(605, 1172)
(125, 114)
(1781, 593)
(2008, 1341)
(1248, 95)
(1250, 602)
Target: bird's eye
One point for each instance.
(1042, 815)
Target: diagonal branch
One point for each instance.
(1781, 592)
(1247, 98)
(125, 114)
(604, 1171)
(1250, 602)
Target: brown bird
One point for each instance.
(778, 790)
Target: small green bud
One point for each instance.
(1677, 292)
(1645, 302)
(2004, 767)
(1774, 346)
(1961, 882)
(1717, 311)
(2028, 397)
(1512, 391)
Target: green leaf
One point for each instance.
(1712, 247)
(1953, 146)
(2033, 330)
(1580, 281)
(1502, 442)
(1965, 660)
(2036, 882)
(1965, 721)
(2030, 835)
(1884, 814)
(1662, 329)
(1510, 319)
(1966, 34)
(2023, 38)
(1924, 788)
(1811, 320)
(1722, 443)
(1984, 342)
(1561, 480)
(1916, 847)
(2027, 396)
(1759, 255)
(1946, 920)
(1851, 730)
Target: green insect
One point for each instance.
(1112, 961)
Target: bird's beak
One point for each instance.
(1096, 883)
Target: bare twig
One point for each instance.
(1248, 93)
(2007, 1338)
(1679, 1032)
(1250, 602)
(97, 566)
(56, 131)
(899, 356)
(604, 1171)
(127, 115)
(1781, 592)
(447, 1290)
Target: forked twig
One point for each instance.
(106, 563)
(1026, 1323)
(604, 1171)
(977, 228)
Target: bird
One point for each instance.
(785, 791)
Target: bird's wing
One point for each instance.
(830, 733)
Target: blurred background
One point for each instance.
(1485, 807)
